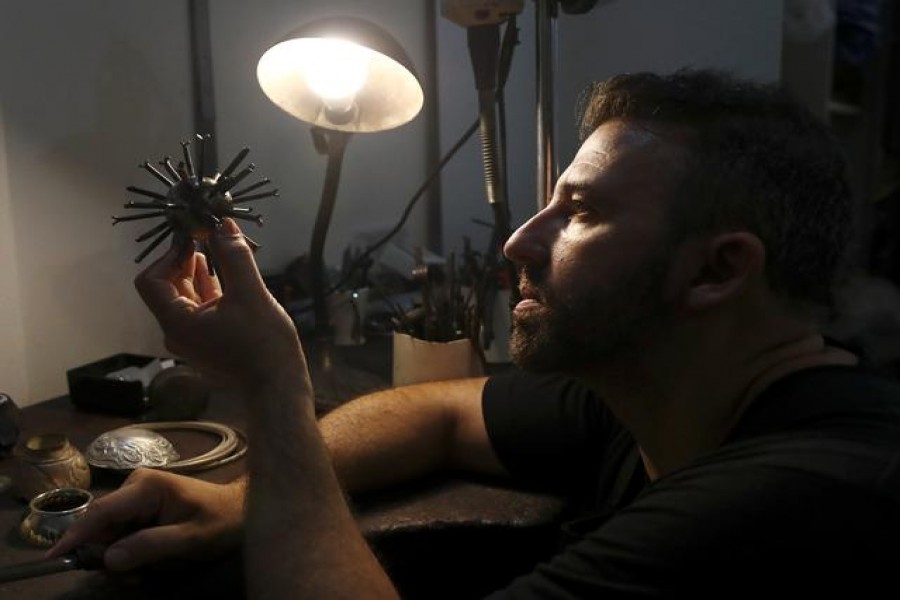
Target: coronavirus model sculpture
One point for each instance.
(196, 199)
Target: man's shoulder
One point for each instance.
(823, 493)
(818, 427)
(800, 515)
(807, 457)
(835, 400)
(758, 506)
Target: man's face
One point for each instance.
(594, 261)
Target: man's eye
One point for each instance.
(578, 205)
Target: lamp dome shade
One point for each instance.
(342, 62)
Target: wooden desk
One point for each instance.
(442, 538)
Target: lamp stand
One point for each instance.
(545, 12)
(484, 47)
(332, 143)
(547, 169)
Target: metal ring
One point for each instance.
(232, 444)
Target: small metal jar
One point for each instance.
(47, 462)
(50, 514)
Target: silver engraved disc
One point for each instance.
(129, 448)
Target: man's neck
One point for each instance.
(686, 406)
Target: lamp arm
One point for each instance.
(333, 143)
(484, 45)
(507, 47)
(490, 159)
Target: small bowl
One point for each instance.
(50, 514)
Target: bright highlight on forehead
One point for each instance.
(611, 142)
(585, 167)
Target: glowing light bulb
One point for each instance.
(337, 72)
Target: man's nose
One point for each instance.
(530, 243)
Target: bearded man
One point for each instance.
(676, 384)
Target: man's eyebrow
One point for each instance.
(575, 184)
(579, 190)
(582, 171)
(568, 187)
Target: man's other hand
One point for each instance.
(156, 516)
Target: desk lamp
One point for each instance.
(343, 75)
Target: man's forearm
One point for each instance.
(399, 434)
(301, 539)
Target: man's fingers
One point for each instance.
(207, 285)
(238, 273)
(149, 546)
(107, 517)
(166, 285)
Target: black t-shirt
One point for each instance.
(804, 496)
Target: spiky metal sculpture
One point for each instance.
(195, 201)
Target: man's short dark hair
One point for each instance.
(756, 161)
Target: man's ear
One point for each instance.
(720, 268)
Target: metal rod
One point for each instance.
(226, 183)
(156, 242)
(117, 220)
(148, 193)
(545, 11)
(151, 232)
(433, 212)
(36, 568)
(188, 160)
(150, 205)
(271, 194)
(250, 188)
(493, 180)
(202, 68)
(170, 168)
(155, 172)
(235, 162)
(255, 218)
(337, 143)
(201, 156)
(210, 259)
(253, 245)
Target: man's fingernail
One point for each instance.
(117, 558)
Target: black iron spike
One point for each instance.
(210, 261)
(152, 245)
(151, 205)
(188, 161)
(253, 245)
(148, 193)
(201, 156)
(273, 193)
(170, 168)
(155, 172)
(250, 188)
(235, 162)
(226, 183)
(117, 220)
(150, 233)
(255, 218)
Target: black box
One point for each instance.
(90, 389)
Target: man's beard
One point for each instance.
(574, 333)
